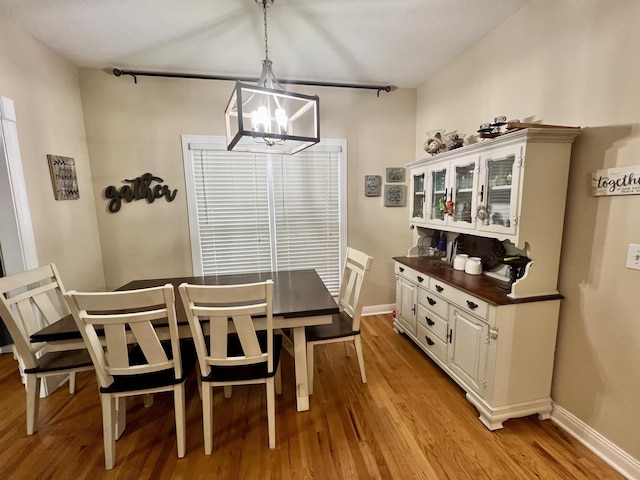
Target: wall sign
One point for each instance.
(372, 185)
(63, 177)
(138, 189)
(395, 174)
(616, 181)
(395, 195)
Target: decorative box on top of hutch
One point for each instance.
(495, 339)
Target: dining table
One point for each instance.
(300, 299)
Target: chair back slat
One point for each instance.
(148, 341)
(123, 315)
(356, 268)
(230, 309)
(31, 300)
(218, 342)
(247, 336)
(117, 348)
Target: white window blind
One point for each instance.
(254, 212)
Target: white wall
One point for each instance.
(571, 63)
(44, 89)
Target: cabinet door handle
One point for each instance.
(431, 301)
(439, 288)
(472, 305)
(450, 335)
(420, 279)
(481, 193)
(401, 269)
(430, 322)
(413, 309)
(429, 341)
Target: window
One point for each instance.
(252, 212)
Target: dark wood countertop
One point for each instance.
(486, 288)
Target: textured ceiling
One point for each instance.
(397, 42)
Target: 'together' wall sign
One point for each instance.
(139, 188)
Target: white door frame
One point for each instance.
(16, 230)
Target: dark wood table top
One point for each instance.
(296, 293)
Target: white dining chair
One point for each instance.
(152, 366)
(236, 351)
(29, 301)
(345, 326)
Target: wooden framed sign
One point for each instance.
(616, 181)
(63, 177)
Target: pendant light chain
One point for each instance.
(266, 44)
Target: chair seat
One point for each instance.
(62, 361)
(163, 378)
(341, 326)
(245, 372)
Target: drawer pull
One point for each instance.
(439, 288)
(432, 301)
(430, 322)
(429, 341)
(472, 305)
(401, 269)
(420, 279)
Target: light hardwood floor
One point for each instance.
(409, 421)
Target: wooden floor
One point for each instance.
(409, 421)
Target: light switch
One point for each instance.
(633, 256)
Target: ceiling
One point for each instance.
(380, 42)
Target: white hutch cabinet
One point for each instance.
(495, 339)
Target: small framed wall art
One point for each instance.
(395, 195)
(63, 177)
(395, 174)
(372, 185)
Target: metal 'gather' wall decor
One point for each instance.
(139, 188)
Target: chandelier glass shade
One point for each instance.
(265, 118)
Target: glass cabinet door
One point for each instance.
(438, 194)
(500, 192)
(464, 200)
(417, 196)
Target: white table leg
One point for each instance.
(300, 360)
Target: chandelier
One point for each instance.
(265, 118)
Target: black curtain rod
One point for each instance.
(136, 73)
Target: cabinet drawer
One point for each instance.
(432, 343)
(468, 302)
(432, 322)
(413, 275)
(440, 288)
(433, 302)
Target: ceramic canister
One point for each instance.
(473, 266)
(459, 261)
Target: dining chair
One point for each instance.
(31, 300)
(134, 360)
(345, 326)
(240, 347)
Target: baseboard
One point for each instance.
(378, 309)
(620, 460)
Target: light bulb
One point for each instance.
(282, 119)
(260, 119)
